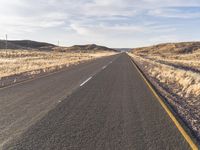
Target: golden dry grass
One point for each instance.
(174, 64)
(177, 77)
(182, 82)
(18, 61)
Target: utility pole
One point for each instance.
(28, 44)
(6, 41)
(58, 43)
(6, 44)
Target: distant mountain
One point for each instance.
(26, 44)
(170, 48)
(87, 48)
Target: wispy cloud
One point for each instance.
(116, 23)
(184, 13)
(103, 31)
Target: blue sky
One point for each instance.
(113, 23)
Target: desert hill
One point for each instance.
(88, 47)
(25, 44)
(170, 48)
(28, 44)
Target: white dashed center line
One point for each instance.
(104, 67)
(85, 81)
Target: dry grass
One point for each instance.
(18, 61)
(177, 76)
(183, 82)
(187, 61)
(172, 68)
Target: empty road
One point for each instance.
(99, 105)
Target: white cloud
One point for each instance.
(167, 3)
(100, 21)
(174, 13)
(102, 30)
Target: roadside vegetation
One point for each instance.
(174, 69)
(18, 61)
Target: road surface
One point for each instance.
(23, 104)
(112, 109)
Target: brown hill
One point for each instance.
(169, 48)
(26, 44)
(87, 48)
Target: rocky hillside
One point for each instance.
(87, 48)
(170, 48)
(26, 44)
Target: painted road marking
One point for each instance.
(32, 79)
(171, 115)
(104, 67)
(85, 81)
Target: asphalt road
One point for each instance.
(24, 104)
(112, 110)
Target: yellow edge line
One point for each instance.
(178, 125)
